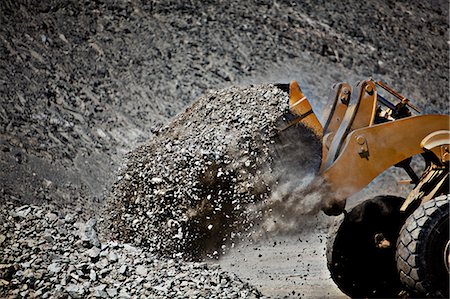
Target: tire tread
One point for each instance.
(411, 242)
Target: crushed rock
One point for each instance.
(48, 259)
(192, 189)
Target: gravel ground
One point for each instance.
(84, 82)
(47, 254)
(292, 266)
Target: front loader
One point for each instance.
(386, 246)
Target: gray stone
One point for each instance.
(129, 248)
(93, 253)
(75, 276)
(69, 218)
(75, 290)
(161, 288)
(112, 256)
(2, 239)
(141, 270)
(54, 268)
(102, 263)
(22, 212)
(88, 233)
(100, 287)
(25, 265)
(113, 244)
(47, 183)
(123, 269)
(112, 292)
(24, 293)
(156, 180)
(104, 250)
(92, 275)
(51, 217)
(104, 271)
(124, 295)
(100, 294)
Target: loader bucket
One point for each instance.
(300, 107)
(365, 134)
(297, 139)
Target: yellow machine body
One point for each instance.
(360, 140)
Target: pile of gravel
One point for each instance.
(191, 190)
(46, 254)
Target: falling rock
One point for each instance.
(196, 154)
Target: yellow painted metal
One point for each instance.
(439, 143)
(369, 151)
(416, 193)
(367, 105)
(360, 114)
(300, 106)
(340, 99)
(420, 191)
(398, 96)
(355, 150)
(432, 193)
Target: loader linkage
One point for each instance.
(366, 133)
(387, 246)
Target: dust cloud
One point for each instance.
(296, 195)
(289, 207)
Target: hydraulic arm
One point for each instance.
(365, 134)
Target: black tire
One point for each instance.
(357, 265)
(421, 248)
